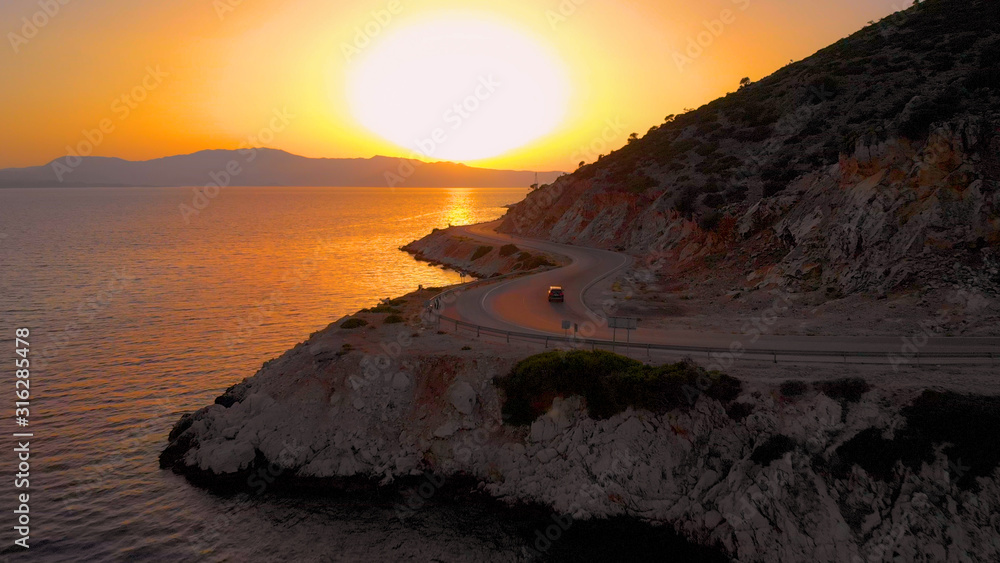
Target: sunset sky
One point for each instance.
(537, 83)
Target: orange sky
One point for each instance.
(175, 76)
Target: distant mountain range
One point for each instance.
(263, 167)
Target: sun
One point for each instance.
(458, 88)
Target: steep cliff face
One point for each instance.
(870, 166)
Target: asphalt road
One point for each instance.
(521, 305)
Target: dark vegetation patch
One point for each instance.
(480, 252)
(508, 250)
(739, 411)
(608, 382)
(354, 323)
(390, 306)
(966, 425)
(530, 262)
(710, 221)
(393, 319)
(554, 538)
(848, 390)
(773, 448)
(793, 388)
(927, 112)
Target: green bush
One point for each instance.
(508, 249)
(480, 252)
(393, 319)
(609, 383)
(354, 323)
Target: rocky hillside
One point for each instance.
(871, 166)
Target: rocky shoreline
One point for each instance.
(778, 473)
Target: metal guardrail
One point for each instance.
(756, 353)
(807, 356)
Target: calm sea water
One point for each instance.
(137, 316)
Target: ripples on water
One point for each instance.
(137, 317)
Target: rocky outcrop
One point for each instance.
(388, 408)
(459, 251)
(892, 213)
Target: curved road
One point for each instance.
(521, 305)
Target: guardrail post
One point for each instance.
(546, 342)
(775, 352)
(477, 331)
(508, 337)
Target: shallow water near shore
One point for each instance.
(138, 316)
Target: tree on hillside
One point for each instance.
(744, 82)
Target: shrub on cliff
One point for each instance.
(964, 426)
(537, 262)
(793, 388)
(508, 249)
(480, 252)
(775, 447)
(848, 389)
(354, 323)
(393, 319)
(609, 383)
